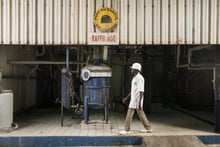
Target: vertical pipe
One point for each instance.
(105, 53)
(78, 59)
(217, 97)
(67, 60)
(96, 55)
(106, 110)
(178, 56)
(63, 87)
(61, 114)
(67, 71)
(86, 110)
(27, 86)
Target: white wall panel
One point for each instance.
(107, 3)
(65, 22)
(40, 22)
(181, 21)
(140, 22)
(14, 21)
(116, 7)
(124, 22)
(23, 22)
(74, 22)
(197, 21)
(156, 21)
(189, 21)
(132, 22)
(32, 21)
(205, 22)
(173, 22)
(218, 37)
(165, 20)
(56, 22)
(213, 22)
(148, 22)
(99, 4)
(6, 21)
(91, 13)
(82, 21)
(49, 21)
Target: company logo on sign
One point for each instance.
(106, 19)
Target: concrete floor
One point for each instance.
(167, 124)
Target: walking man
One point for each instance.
(136, 102)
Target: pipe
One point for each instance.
(199, 68)
(61, 113)
(44, 62)
(64, 71)
(27, 85)
(96, 52)
(106, 110)
(77, 67)
(178, 59)
(105, 53)
(67, 60)
(86, 110)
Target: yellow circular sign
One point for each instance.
(106, 19)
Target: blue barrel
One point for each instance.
(97, 90)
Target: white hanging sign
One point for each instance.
(103, 38)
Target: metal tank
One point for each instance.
(96, 84)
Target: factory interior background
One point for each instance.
(167, 82)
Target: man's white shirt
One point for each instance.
(137, 86)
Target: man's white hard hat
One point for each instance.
(136, 66)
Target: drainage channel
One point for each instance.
(53, 141)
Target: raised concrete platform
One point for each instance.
(107, 141)
(70, 141)
(172, 141)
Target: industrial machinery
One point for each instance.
(68, 97)
(96, 84)
(96, 89)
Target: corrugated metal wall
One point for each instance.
(14, 76)
(140, 21)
